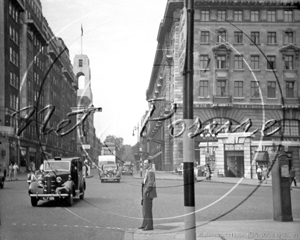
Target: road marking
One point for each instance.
(75, 226)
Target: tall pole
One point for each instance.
(188, 143)
(81, 40)
(140, 152)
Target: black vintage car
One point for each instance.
(60, 179)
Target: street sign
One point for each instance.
(182, 40)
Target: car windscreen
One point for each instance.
(109, 167)
(56, 166)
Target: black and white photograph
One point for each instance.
(150, 119)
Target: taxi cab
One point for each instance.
(59, 179)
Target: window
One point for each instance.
(271, 88)
(205, 16)
(221, 61)
(221, 16)
(238, 62)
(288, 62)
(238, 37)
(80, 63)
(221, 88)
(271, 62)
(204, 38)
(203, 89)
(221, 36)
(255, 89)
(290, 89)
(238, 88)
(288, 16)
(238, 16)
(271, 39)
(254, 16)
(204, 61)
(11, 54)
(255, 37)
(271, 16)
(254, 62)
(288, 37)
(291, 127)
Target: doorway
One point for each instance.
(234, 164)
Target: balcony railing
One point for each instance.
(222, 101)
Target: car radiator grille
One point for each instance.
(49, 185)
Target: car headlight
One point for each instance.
(58, 179)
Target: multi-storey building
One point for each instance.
(36, 75)
(246, 68)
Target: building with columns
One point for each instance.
(246, 73)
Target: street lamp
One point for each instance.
(139, 150)
(206, 137)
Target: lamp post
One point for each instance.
(206, 137)
(139, 150)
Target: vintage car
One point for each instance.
(110, 172)
(127, 169)
(60, 179)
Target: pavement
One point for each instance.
(215, 230)
(220, 230)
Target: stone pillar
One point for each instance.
(247, 158)
(219, 162)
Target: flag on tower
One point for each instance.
(81, 30)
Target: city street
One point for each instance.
(109, 209)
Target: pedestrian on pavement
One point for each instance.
(208, 172)
(4, 170)
(10, 172)
(15, 168)
(259, 173)
(293, 177)
(265, 174)
(149, 192)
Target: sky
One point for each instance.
(119, 38)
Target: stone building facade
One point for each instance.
(36, 77)
(246, 70)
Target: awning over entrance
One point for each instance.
(261, 156)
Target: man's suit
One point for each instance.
(149, 192)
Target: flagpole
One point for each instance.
(81, 39)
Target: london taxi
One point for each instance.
(61, 179)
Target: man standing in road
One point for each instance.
(149, 192)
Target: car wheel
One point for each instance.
(118, 180)
(69, 200)
(102, 181)
(34, 201)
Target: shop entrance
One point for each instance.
(234, 164)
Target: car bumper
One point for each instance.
(49, 196)
(110, 178)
